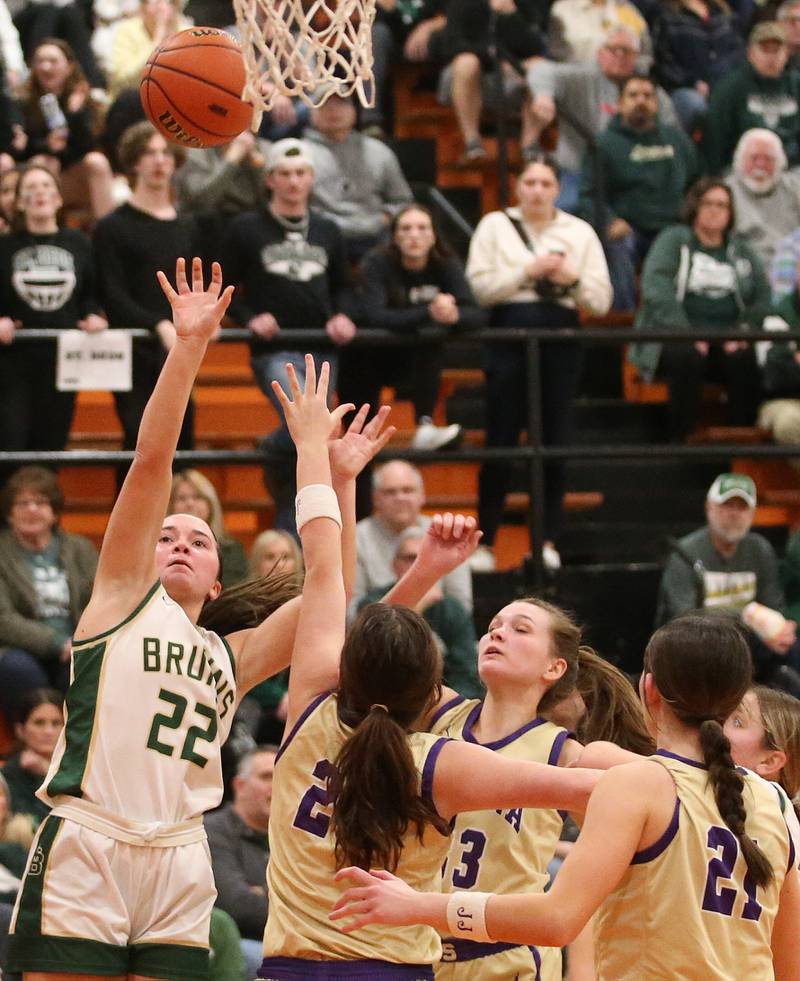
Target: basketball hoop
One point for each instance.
(307, 49)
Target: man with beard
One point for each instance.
(644, 170)
(766, 196)
(724, 566)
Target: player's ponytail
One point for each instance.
(728, 785)
(390, 675)
(701, 666)
(248, 603)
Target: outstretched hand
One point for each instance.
(377, 897)
(450, 540)
(308, 417)
(350, 452)
(196, 311)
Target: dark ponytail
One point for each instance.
(248, 604)
(702, 668)
(728, 785)
(390, 675)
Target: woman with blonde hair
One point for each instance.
(276, 551)
(193, 493)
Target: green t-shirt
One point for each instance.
(710, 299)
(52, 589)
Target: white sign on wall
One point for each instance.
(94, 362)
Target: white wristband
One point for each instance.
(466, 915)
(316, 501)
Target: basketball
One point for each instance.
(191, 88)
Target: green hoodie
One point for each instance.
(644, 174)
(685, 284)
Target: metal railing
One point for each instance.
(534, 454)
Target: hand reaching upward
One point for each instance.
(196, 311)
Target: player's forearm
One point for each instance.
(346, 495)
(409, 590)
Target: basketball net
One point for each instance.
(307, 49)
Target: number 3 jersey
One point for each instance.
(149, 705)
(301, 867)
(686, 907)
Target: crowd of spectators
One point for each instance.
(670, 193)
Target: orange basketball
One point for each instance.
(191, 88)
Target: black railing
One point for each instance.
(534, 454)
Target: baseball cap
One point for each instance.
(729, 485)
(767, 30)
(288, 151)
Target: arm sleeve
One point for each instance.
(594, 292)
(470, 315)
(245, 905)
(677, 592)
(17, 630)
(759, 306)
(717, 143)
(394, 190)
(339, 278)
(769, 589)
(203, 181)
(88, 301)
(659, 297)
(233, 265)
(9, 38)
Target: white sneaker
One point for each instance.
(430, 437)
(482, 559)
(550, 556)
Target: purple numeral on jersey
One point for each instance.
(466, 875)
(306, 819)
(721, 867)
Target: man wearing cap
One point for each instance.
(290, 269)
(725, 566)
(762, 93)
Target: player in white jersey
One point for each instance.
(119, 881)
(688, 859)
(353, 782)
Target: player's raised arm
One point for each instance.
(127, 565)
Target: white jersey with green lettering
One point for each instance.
(149, 705)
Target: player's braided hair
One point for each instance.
(702, 668)
(390, 675)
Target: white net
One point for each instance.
(310, 49)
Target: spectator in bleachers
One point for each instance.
(47, 279)
(193, 493)
(779, 415)
(726, 566)
(700, 274)
(8, 192)
(13, 60)
(426, 38)
(477, 35)
(451, 623)
(766, 196)
(577, 28)
(290, 267)
(131, 244)
(58, 119)
(239, 844)
(411, 284)
(399, 496)
(46, 577)
(276, 551)
(39, 719)
(584, 98)
(533, 266)
(108, 15)
(135, 37)
(358, 182)
(644, 169)
(761, 93)
(37, 20)
(396, 25)
(788, 16)
(783, 270)
(696, 43)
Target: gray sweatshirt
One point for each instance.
(356, 182)
(762, 220)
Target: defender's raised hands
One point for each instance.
(196, 311)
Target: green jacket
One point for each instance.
(19, 626)
(644, 174)
(684, 285)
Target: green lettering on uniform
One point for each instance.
(228, 699)
(174, 656)
(152, 654)
(191, 673)
(173, 721)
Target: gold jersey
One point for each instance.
(686, 909)
(504, 851)
(301, 868)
